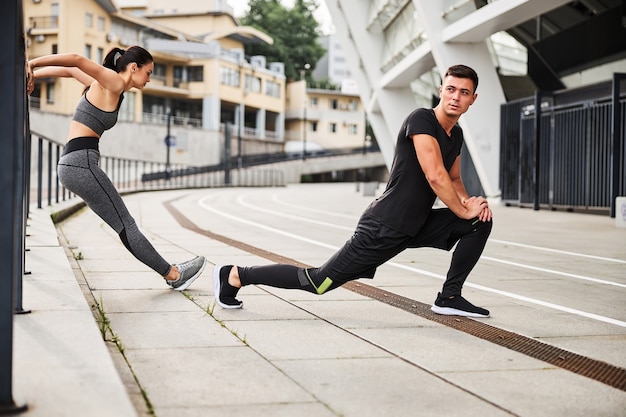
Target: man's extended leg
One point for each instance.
(371, 245)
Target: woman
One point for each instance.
(78, 169)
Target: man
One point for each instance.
(426, 166)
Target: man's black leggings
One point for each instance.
(79, 171)
(372, 244)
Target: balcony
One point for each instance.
(43, 25)
(161, 119)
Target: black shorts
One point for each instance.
(374, 243)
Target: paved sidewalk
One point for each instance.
(289, 353)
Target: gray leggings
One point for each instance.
(79, 172)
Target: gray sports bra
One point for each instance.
(94, 118)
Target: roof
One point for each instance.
(243, 34)
(150, 24)
(107, 5)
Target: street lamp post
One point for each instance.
(168, 144)
(304, 132)
(304, 104)
(366, 143)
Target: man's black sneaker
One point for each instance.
(457, 306)
(224, 292)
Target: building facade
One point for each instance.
(201, 80)
(323, 119)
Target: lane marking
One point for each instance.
(241, 201)
(504, 242)
(202, 203)
(552, 271)
(598, 370)
(561, 252)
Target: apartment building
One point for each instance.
(201, 82)
(333, 65)
(202, 78)
(323, 119)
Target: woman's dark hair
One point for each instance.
(463, 71)
(117, 59)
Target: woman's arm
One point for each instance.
(64, 72)
(107, 78)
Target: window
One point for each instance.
(54, 13)
(195, 73)
(314, 102)
(253, 84)
(55, 48)
(159, 72)
(272, 89)
(229, 76)
(100, 55)
(353, 105)
(88, 51)
(332, 128)
(50, 93)
(333, 103)
(352, 128)
(127, 108)
(88, 20)
(313, 126)
(101, 23)
(180, 75)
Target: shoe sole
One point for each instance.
(192, 279)
(216, 288)
(447, 311)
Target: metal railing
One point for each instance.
(134, 175)
(566, 149)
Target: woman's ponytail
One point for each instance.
(117, 59)
(113, 58)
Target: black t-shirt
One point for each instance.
(408, 198)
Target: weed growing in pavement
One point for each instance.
(210, 310)
(103, 321)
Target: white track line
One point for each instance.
(562, 252)
(204, 205)
(241, 200)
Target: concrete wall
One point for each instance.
(140, 141)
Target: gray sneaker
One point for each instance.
(189, 271)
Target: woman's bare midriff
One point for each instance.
(78, 130)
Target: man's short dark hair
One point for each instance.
(463, 71)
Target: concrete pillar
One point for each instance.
(481, 124)
(211, 113)
(260, 123)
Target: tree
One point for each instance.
(295, 32)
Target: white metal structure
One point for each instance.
(392, 45)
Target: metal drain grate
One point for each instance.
(597, 370)
(600, 371)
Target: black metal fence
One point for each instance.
(133, 175)
(566, 150)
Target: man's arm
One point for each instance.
(455, 176)
(447, 186)
(457, 182)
